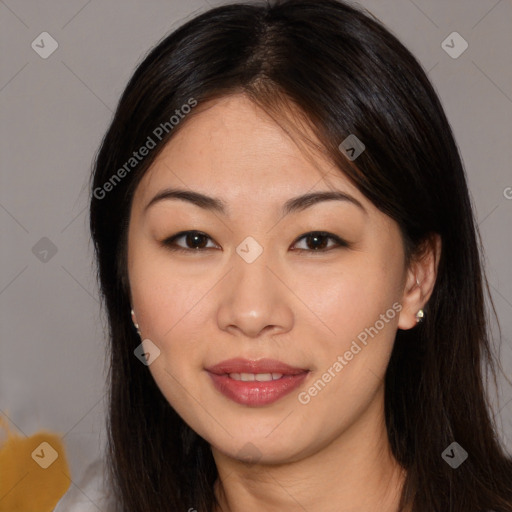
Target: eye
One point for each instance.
(318, 240)
(196, 241)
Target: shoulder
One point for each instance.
(90, 493)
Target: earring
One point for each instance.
(420, 316)
(135, 323)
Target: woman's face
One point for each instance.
(251, 286)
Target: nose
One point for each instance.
(255, 300)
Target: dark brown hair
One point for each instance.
(346, 74)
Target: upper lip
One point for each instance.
(240, 365)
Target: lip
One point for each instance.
(255, 393)
(240, 365)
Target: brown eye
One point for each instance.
(194, 241)
(317, 241)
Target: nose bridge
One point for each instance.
(253, 298)
(251, 275)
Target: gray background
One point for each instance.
(54, 114)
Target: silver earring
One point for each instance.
(135, 323)
(420, 315)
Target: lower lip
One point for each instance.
(256, 393)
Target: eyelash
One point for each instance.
(170, 244)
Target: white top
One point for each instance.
(89, 494)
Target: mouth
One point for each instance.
(255, 383)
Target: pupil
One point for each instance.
(192, 239)
(316, 238)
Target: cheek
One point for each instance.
(361, 310)
(172, 312)
(165, 304)
(353, 299)
(169, 312)
(162, 296)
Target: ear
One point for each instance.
(420, 280)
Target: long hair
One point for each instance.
(346, 75)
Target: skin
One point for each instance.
(303, 308)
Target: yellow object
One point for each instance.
(34, 472)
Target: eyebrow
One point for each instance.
(214, 204)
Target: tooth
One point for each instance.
(260, 377)
(263, 377)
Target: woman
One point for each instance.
(289, 263)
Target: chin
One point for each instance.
(276, 448)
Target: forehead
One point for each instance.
(234, 149)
